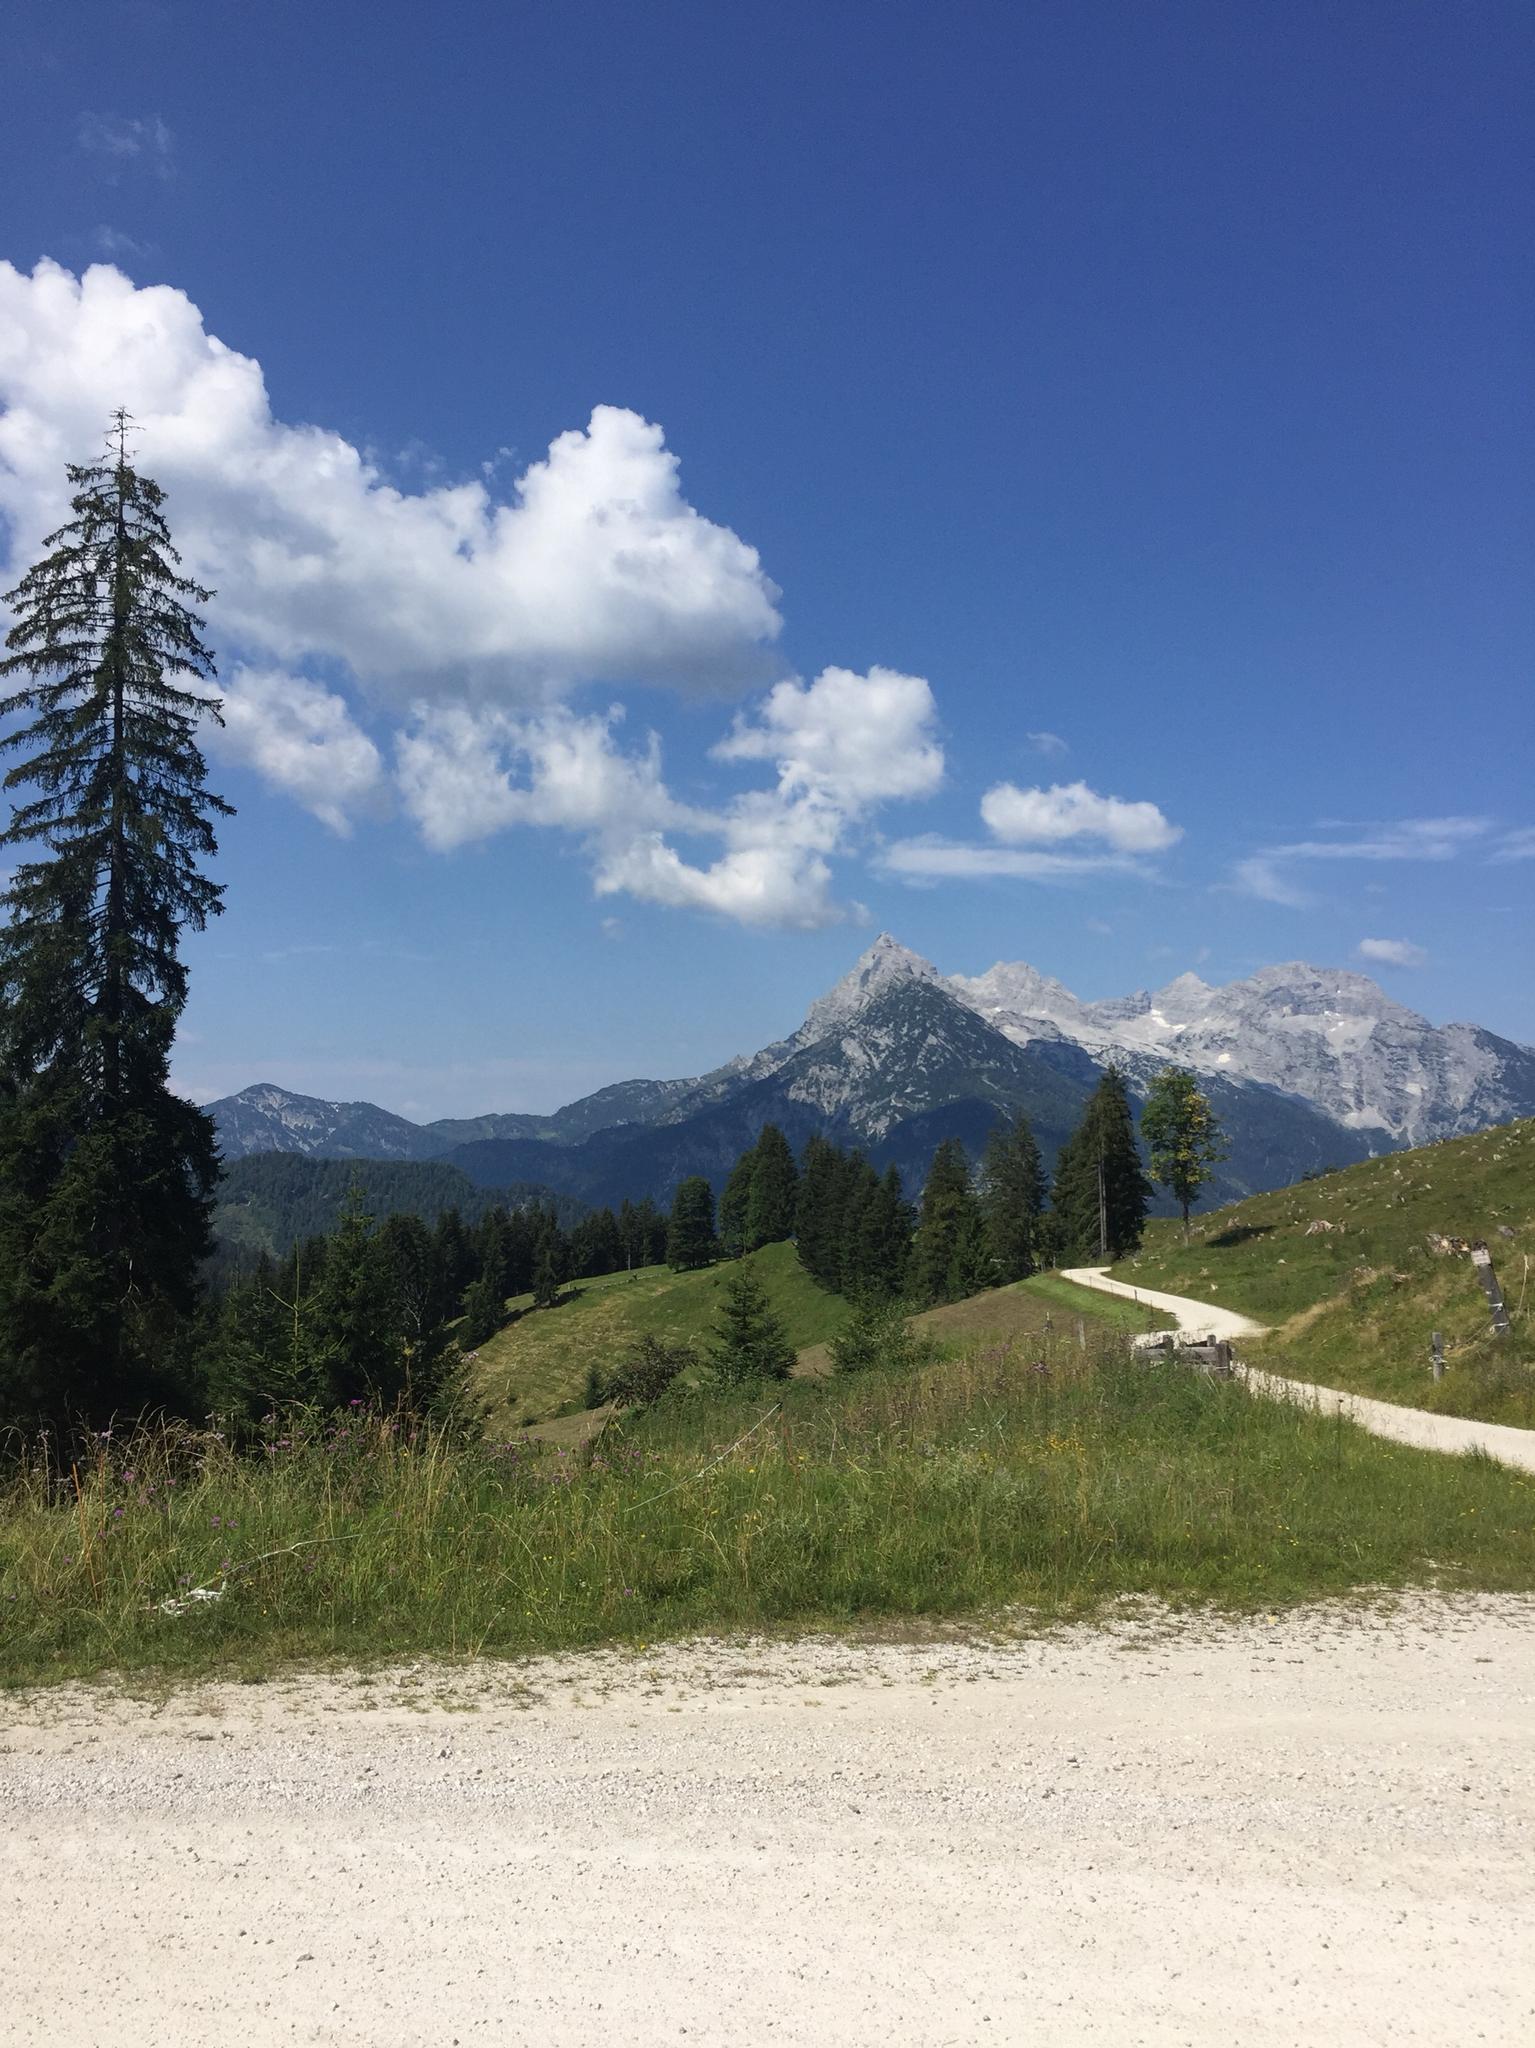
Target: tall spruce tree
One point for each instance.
(947, 1253)
(1012, 1197)
(106, 1177)
(690, 1233)
(818, 1210)
(1100, 1190)
(734, 1203)
(884, 1240)
(773, 1190)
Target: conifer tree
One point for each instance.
(947, 1253)
(1182, 1135)
(884, 1240)
(1101, 1191)
(773, 1189)
(690, 1234)
(1012, 1197)
(546, 1281)
(484, 1313)
(734, 1203)
(817, 1223)
(357, 1351)
(106, 1177)
(752, 1343)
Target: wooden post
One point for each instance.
(1481, 1258)
(1081, 1334)
(1438, 1349)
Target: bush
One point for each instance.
(643, 1376)
(879, 1333)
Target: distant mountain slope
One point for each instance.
(1330, 1037)
(270, 1119)
(1307, 1068)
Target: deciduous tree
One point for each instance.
(1185, 1141)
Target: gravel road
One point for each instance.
(1316, 1828)
(1418, 1426)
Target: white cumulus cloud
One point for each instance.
(855, 740)
(594, 567)
(1070, 810)
(1393, 952)
(463, 618)
(301, 738)
(466, 773)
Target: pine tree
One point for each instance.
(484, 1314)
(106, 1177)
(752, 1342)
(546, 1281)
(1184, 1139)
(948, 1252)
(884, 1240)
(734, 1203)
(690, 1234)
(1012, 1198)
(357, 1349)
(773, 1189)
(817, 1222)
(858, 1187)
(1101, 1192)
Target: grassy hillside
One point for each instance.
(1355, 1305)
(537, 1366)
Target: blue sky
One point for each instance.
(1099, 531)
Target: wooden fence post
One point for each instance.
(1481, 1258)
(1438, 1348)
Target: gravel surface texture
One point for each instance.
(1311, 1828)
(1418, 1426)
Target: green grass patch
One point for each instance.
(1355, 1304)
(1030, 1475)
(537, 1366)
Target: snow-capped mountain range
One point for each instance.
(1306, 1067)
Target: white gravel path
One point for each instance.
(1319, 1828)
(1417, 1426)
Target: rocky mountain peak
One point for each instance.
(1014, 989)
(884, 965)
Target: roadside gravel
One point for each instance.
(1315, 1827)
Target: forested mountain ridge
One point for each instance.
(273, 1200)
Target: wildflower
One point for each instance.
(117, 1514)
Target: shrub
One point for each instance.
(643, 1375)
(879, 1333)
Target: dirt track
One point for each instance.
(1320, 1828)
(1421, 1427)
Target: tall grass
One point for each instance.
(1007, 1477)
